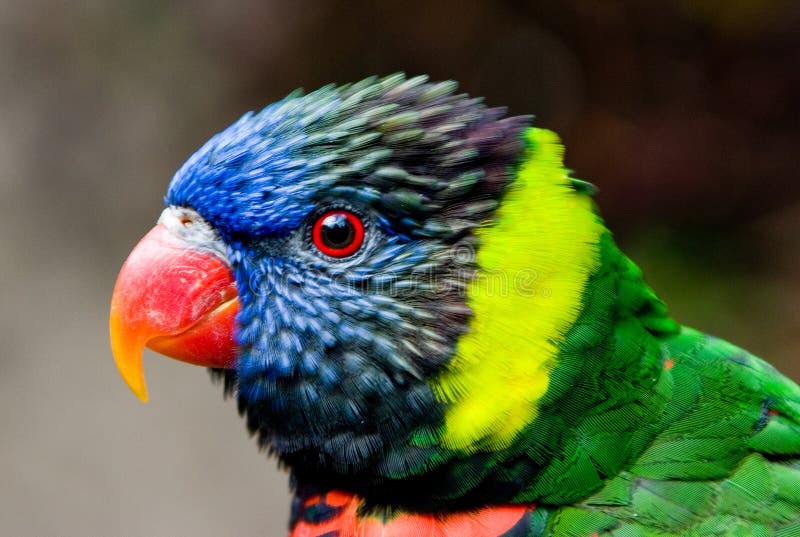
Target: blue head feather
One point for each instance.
(252, 178)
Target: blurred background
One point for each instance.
(684, 113)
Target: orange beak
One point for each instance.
(175, 299)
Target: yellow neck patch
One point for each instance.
(534, 259)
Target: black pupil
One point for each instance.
(337, 231)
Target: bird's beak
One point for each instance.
(175, 299)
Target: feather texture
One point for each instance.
(487, 350)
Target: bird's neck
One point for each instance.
(535, 261)
(574, 328)
(607, 387)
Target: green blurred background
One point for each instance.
(685, 114)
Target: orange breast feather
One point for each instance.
(335, 514)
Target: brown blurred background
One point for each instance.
(684, 113)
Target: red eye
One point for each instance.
(338, 233)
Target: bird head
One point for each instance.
(382, 273)
(316, 255)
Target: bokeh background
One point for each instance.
(684, 113)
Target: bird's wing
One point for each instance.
(725, 462)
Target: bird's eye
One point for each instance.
(338, 233)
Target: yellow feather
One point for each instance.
(535, 258)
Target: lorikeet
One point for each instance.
(422, 315)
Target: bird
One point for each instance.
(422, 315)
